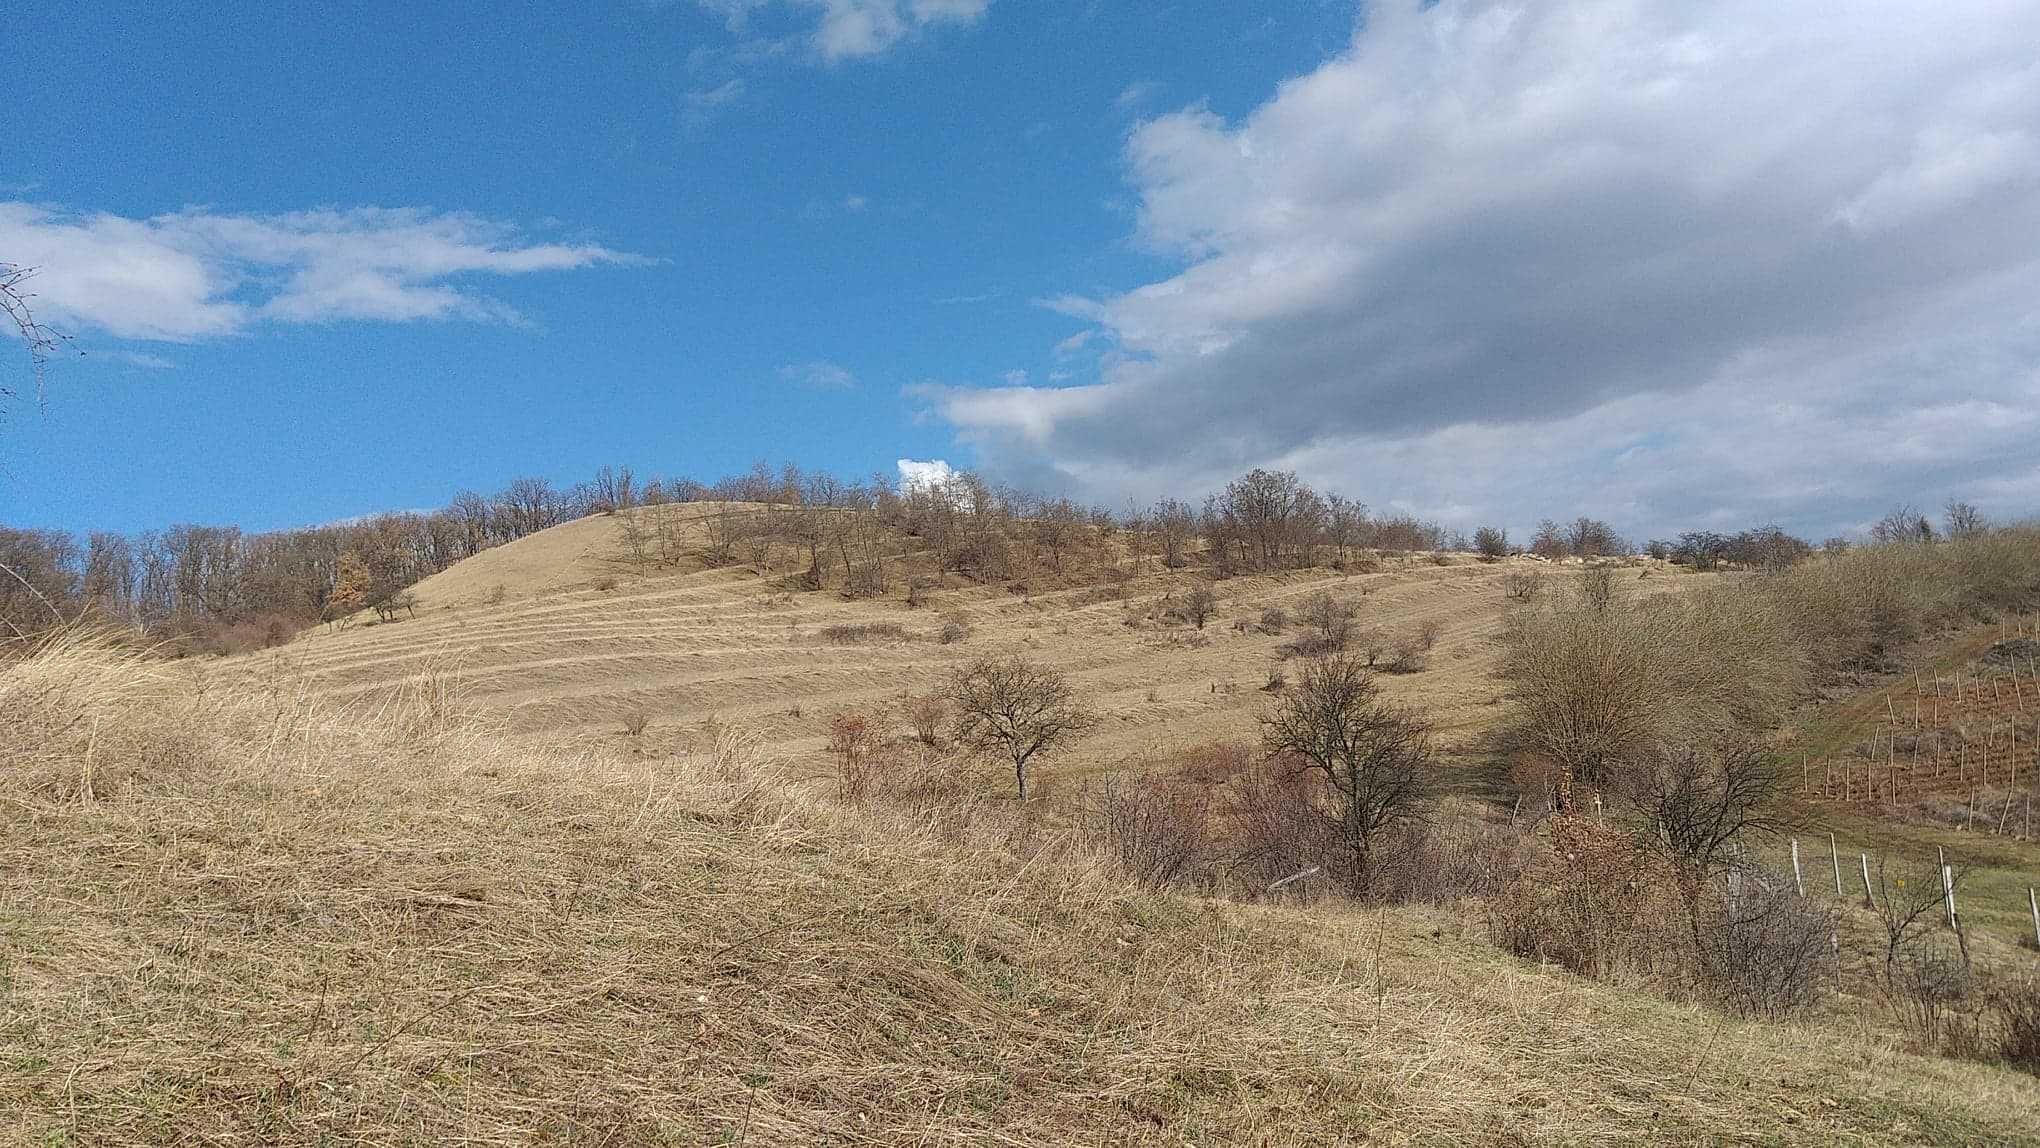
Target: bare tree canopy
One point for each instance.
(1375, 756)
(1016, 709)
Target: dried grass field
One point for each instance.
(414, 882)
(580, 639)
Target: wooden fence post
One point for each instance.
(1835, 855)
(1798, 882)
(1868, 900)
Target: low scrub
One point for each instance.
(858, 633)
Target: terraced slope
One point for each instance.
(690, 644)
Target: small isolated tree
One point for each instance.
(1903, 524)
(1520, 584)
(1697, 808)
(1964, 520)
(352, 586)
(1199, 605)
(1329, 618)
(1491, 543)
(1907, 904)
(1376, 758)
(926, 713)
(1015, 709)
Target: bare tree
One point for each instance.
(42, 341)
(1329, 619)
(1013, 708)
(1199, 605)
(1696, 806)
(1904, 524)
(1906, 904)
(1964, 520)
(1056, 528)
(1492, 543)
(1592, 538)
(1549, 541)
(1375, 757)
(1174, 525)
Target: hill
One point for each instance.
(246, 916)
(563, 631)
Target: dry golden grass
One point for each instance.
(689, 644)
(244, 912)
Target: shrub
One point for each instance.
(1766, 950)
(1199, 605)
(2018, 1007)
(1491, 543)
(1327, 615)
(1469, 854)
(1406, 656)
(853, 633)
(926, 713)
(854, 742)
(1428, 631)
(1930, 992)
(635, 721)
(1274, 828)
(605, 584)
(1274, 620)
(1597, 586)
(1521, 584)
(1155, 827)
(1596, 905)
(1311, 646)
(955, 628)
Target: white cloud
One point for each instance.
(924, 473)
(194, 274)
(136, 359)
(857, 29)
(1015, 377)
(1682, 257)
(855, 203)
(820, 374)
(719, 95)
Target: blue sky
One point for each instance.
(895, 215)
(1465, 259)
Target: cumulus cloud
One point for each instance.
(924, 474)
(193, 274)
(820, 374)
(1673, 260)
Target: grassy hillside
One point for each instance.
(253, 912)
(686, 644)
